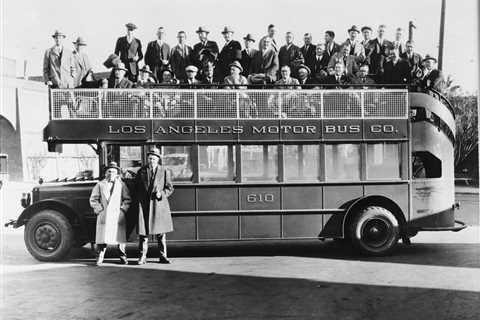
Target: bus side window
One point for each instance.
(179, 160)
(342, 162)
(259, 162)
(216, 163)
(129, 158)
(426, 165)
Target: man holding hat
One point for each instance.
(120, 81)
(231, 51)
(129, 49)
(157, 55)
(82, 63)
(153, 186)
(58, 64)
(110, 201)
(247, 54)
(356, 48)
(205, 50)
(432, 77)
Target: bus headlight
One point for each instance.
(26, 199)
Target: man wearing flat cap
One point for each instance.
(129, 49)
(153, 186)
(247, 54)
(356, 48)
(191, 81)
(157, 55)
(205, 50)
(59, 64)
(82, 63)
(432, 77)
(231, 51)
(110, 200)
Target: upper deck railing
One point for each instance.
(227, 104)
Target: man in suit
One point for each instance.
(129, 49)
(290, 55)
(304, 78)
(157, 55)
(319, 71)
(270, 34)
(396, 70)
(362, 77)
(380, 52)
(59, 64)
(339, 77)
(356, 48)
(205, 50)
(191, 81)
(153, 186)
(286, 81)
(308, 51)
(180, 57)
(120, 81)
(398, 43)
(414, 59)
(367, 43)
(207, 79)
(247, 54)
(82, 63)
(231, 51)
(432, 77)
(349, 61)
(331, 47)
(264, 65)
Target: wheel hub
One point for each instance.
(376, 232)
(47, 236)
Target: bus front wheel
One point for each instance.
(49, 236)
(374, 231)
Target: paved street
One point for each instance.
(437, 277)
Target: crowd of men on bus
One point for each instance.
(356, 61)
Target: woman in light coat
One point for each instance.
(110, 201)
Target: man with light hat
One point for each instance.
(110, 200)
(129, 49)
(235, 80)
(356, 48)
(231, 51)
(146, 78)
(153, 186)
(82, 63)
(120, 81)
(205, 50)
(432, 77)
(59, 64)
(190, 81)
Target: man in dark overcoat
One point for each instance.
(205, 50)
(129, 49)
(231, 51)
(153, 186)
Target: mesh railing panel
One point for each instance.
(227, 104)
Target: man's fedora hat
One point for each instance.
(80, 41)
(131, 26)
(249, 37)
(112, 164)
(112, 61)
(429, 57)
(236, 64)
(202, 29)
(302, 66)
(120, 66)
(154, 152)
(227, 29)
(58, 33)
(366, 28)
(191, 68)
(146, 69)
(354, 28)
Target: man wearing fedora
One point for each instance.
(157, 55)
(235, 80)
(432, 77)
(153, 186)
(356, 48)
(205, 50)
(146, 78)
(58, 64)
(129, 49)
(110, 200)
(82, 63)
(231, 51)
(180, 57)
(119, 81)
(247, 54)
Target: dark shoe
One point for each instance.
(142, 260)
(123, 260)
(163, 260)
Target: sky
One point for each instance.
(27, 25)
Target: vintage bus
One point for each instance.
(369, 165)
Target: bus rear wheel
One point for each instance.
(49, 236)
(374, 231)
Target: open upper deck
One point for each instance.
(196, 104)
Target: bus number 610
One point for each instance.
(260, 197)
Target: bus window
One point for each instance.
(342, 162)
(383, 161)
(426, 165)
(217, 163)
(301, 162)
(129, 158)
(178, 160)
(259, 162)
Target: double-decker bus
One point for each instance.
(368, 165)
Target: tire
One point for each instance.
(374, 231)
(49, 236)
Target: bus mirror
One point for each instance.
(55, 147)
